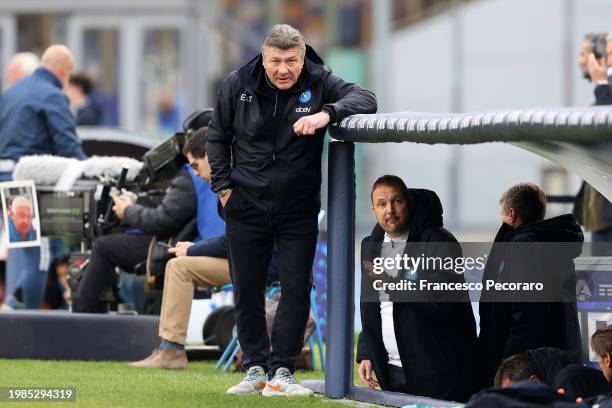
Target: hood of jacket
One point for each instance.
(562, 228)
(253, 73)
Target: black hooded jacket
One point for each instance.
(436, 340)
(603, 95)
(509, 328)
(561, 369)
(271, 167)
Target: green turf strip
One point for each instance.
(110, 384)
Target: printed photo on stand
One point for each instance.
(20, 213)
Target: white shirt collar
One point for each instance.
(401, 238)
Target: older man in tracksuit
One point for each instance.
(264, 144)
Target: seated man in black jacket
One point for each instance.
(555, 368)
(177, 209)
(419, 347)
(521, 253)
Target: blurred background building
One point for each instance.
(155, 61)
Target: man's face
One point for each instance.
(390, 209)
(64, 73)
(583, 56)
(22, 217)
(604, 364)
(283, 67)
(200, 167)
(609, 52)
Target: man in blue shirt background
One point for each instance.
(35, 118)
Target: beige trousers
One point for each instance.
(183, 275)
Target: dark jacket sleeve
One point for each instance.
(345, 98)
(362, 349)
(603, 95)
(220, 135)
(61, 125)
(197, 249)
(214, 247)
(176, 209)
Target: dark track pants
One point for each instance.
(251, 236)
(123, 250)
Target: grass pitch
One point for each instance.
(113, 384)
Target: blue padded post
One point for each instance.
(340, 273)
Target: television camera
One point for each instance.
(84, 212)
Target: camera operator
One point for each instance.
(176, 212)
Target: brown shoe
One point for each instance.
(171, 359)
(138, 363)
(153, 354)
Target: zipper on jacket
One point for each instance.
(274, 178)
(274, 207)
(274, 116)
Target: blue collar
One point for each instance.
(15, 236)
(48, 76)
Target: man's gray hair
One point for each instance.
(20, 201)
(609, 38)
(527, 199)
(284, 37)
(598, 42)
(28, 62)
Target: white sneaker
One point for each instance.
(5, 308)
(252, 383)
(283, 384)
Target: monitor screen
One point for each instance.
(61, 214)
